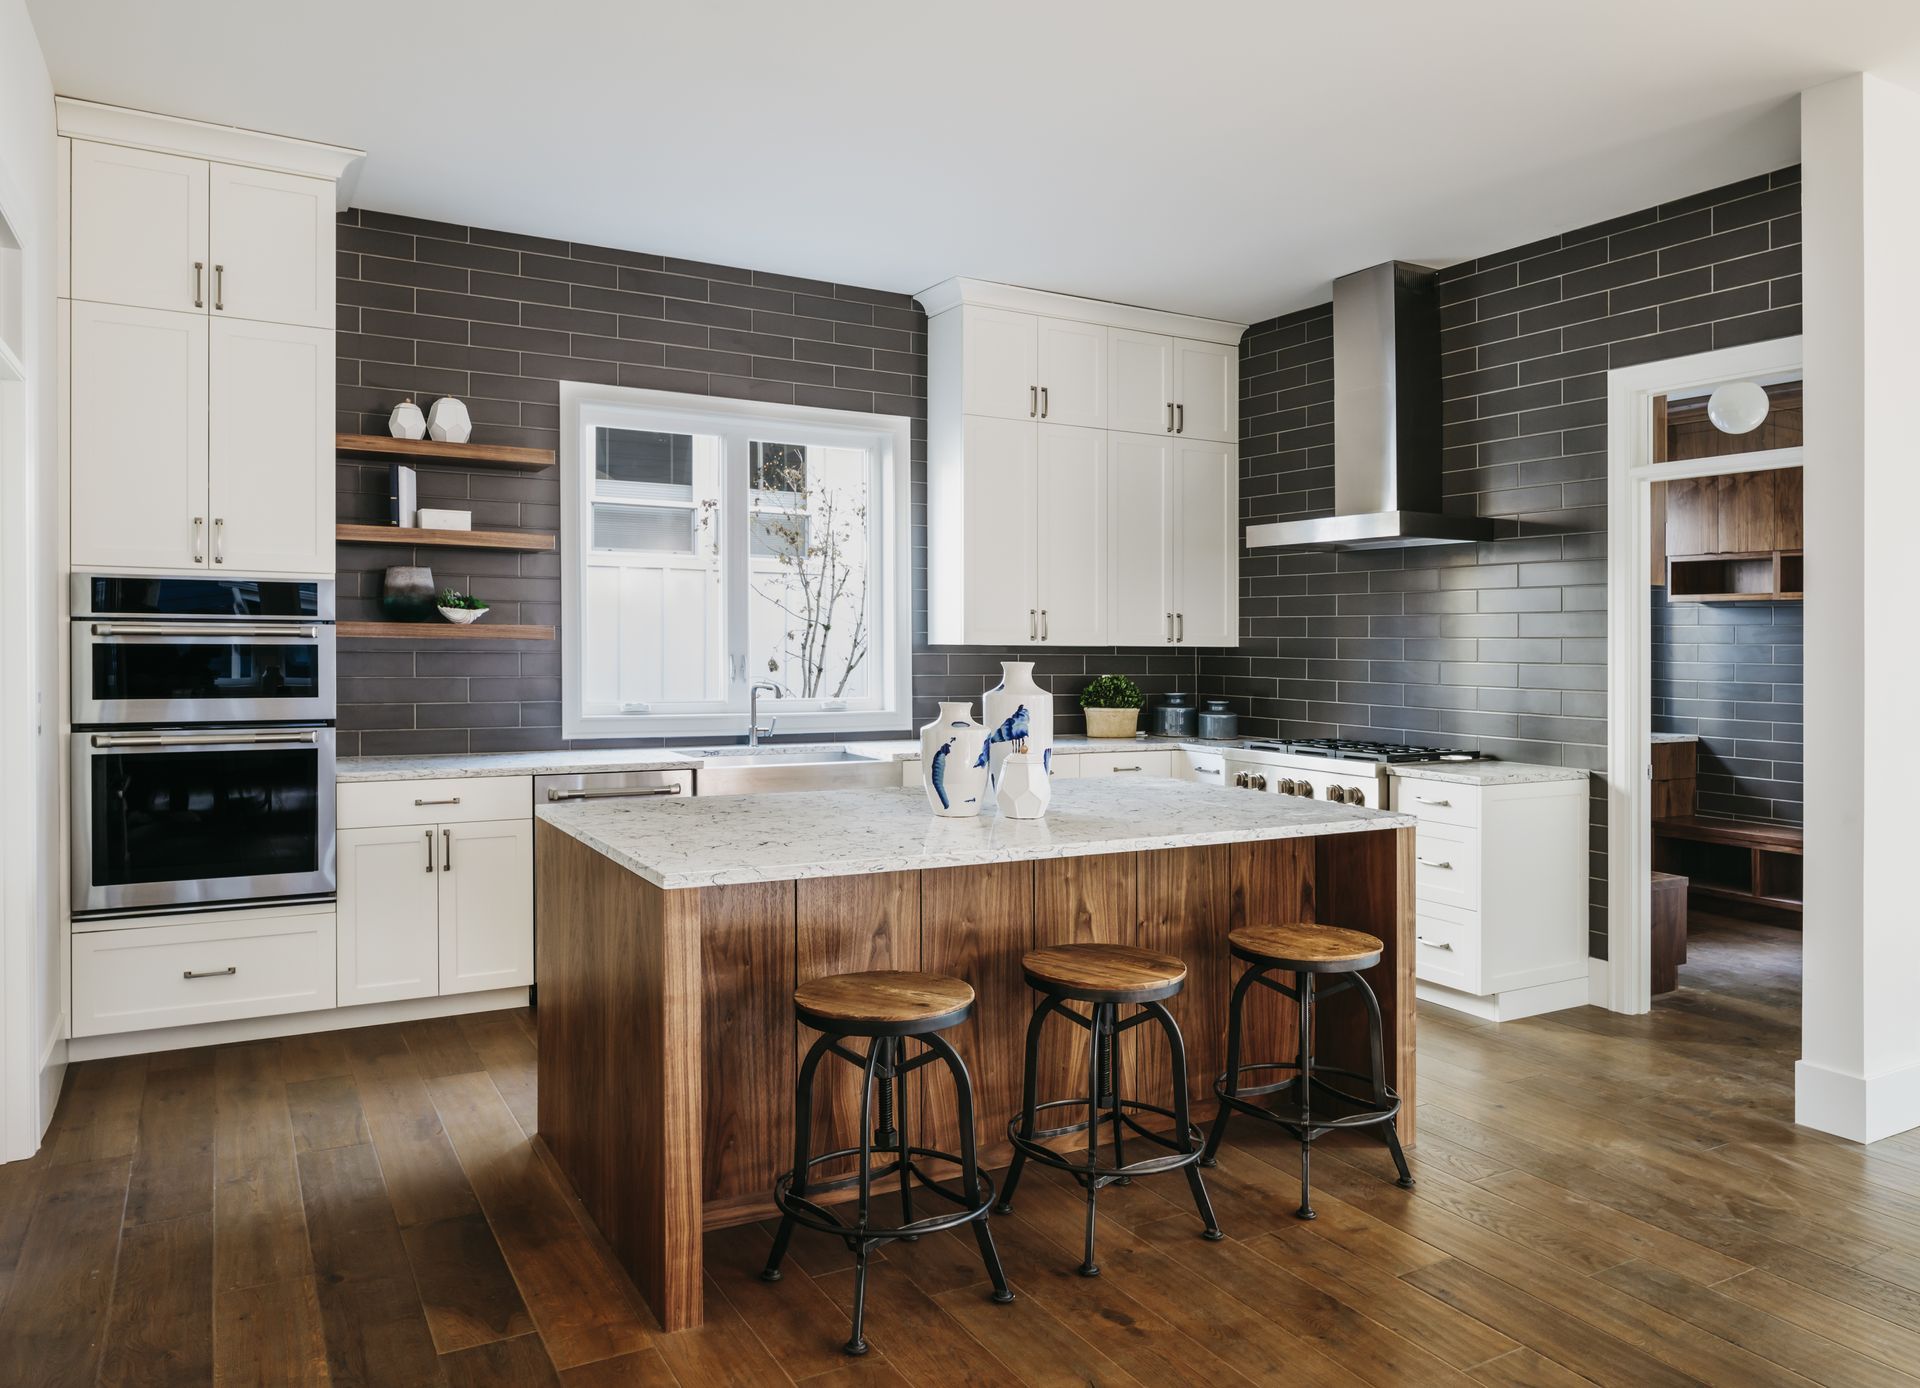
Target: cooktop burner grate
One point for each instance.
(1359, 750)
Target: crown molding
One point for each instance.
(949, 294)
(229, 144)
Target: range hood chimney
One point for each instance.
(1386, 422)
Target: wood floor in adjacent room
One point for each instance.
(1600, 1198)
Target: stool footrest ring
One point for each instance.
(1290, 1117)
(809, 1214)
(1175, 1159)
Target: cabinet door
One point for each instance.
(138, 438)
(1693, 517)
(1789, 529)
(1139, 382)
(139, 227)
(1071, 501)
(1206, 563)
(270, 451)
(486, 905)
(1138, 531)
(389, 927)
(997, 563)
(271, 246)
(1206, 386)
(1000, 367)
(1747, 512)
(1072, 372)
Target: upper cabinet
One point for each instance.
(1083, 476)
(199, 308)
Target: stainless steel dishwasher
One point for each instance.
(611, 785)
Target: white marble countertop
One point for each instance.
(1675, 737)
(1487, 773)
(769, 838)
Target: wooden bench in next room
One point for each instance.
(1731, 861)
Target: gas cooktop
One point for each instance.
(1352, 750)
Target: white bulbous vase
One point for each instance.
(449, 422)
(406, 421)
(953, 763)
(1003, 706)
(1025, 786)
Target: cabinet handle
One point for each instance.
(1181, 413)
(220, 287)
(1043, 624)
(1443, 804)
(199, 531)
(450, 800)
(1180, 626)
(1043, 402)
(1126, 768)
(219, 540)
(1207, 770)
(1169, 416)
(210, 973)
(446, 850)
(199, 296)
(1169, 626)
(429, 850)
(1033, 401)
(1432, 863)
(1433, 944)
(1033, 628)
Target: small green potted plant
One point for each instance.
(1112, 705)
(461, 608)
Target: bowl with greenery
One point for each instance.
(1112, 704)
(462, 608)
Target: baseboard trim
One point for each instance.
(1860, 1108)
(290, 1024)
(1511, 1005)
(54, 1057)
(1599, 984)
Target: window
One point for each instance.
(711, 545)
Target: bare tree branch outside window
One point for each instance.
(816, 536)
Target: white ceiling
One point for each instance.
(1216, 157)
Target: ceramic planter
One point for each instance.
(463, 616)
(953, 762)
(1002, 704)
(1112, 722)
(1024, 786)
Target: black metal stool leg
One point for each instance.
(857, 1343)
(802, 1138)
(859, 1243)
(969, 1163)
(905, 1138)
(1376, 1039)
(1111, 1097)
(1101, 1011)
(1030, 1098)
(1182, 1119)
(1305, 1084)
(1211, 1155)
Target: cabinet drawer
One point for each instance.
(1064, 765)
(1447, 865)
(1140, 763)
(1208, 768)
(452, 800)
(1440, 801)
(1447, 947)
(242, 966)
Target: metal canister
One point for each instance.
(1218, 721)
(1174, 716)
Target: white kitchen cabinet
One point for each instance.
(1206, 390)
(139, 228)
(137, 438)
(1207, 768)
(1140, 394)
(486, 902)
(1205, 553)
(270, 246)
(389, 900)
(1173, 570)
(1002, 604)
(270, 448)
(1002, 371)
(1072, 372)
(1140, 539)
(1147, 761)
(1071, 504)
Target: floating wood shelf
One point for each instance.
(481, 630)
(429, 452)
(533, 540)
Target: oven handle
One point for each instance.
(173, 629)
(309, 736)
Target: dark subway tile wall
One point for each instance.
(499, 320)
(1730, 673)
(1499, 645)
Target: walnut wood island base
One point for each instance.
(671, 936)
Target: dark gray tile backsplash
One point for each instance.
(1500, 645)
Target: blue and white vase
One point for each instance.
(1017, 697)
(953, 762)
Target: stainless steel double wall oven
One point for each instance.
(203, 742)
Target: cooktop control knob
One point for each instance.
(1356, 796)
(1258, 782)
(1337, 794)
(1240, 779)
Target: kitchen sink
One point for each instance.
(778, 756)
(760, 770)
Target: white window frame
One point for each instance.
(585, 406)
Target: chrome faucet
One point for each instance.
(754, 731)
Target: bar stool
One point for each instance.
(888, 1007)
(1307, 951)
(1108, 977)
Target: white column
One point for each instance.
(1859, 1075)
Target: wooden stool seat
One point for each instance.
(1306, 948)
(885, 1002)
(1104, 973)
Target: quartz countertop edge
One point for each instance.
(1487, 773)
(728, 840)
(1674, 737)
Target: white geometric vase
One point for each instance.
(1017, 694)
(406, 421)
(1025, 786)
(953, 763)
(449, 422)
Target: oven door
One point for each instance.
(211, 816)
(202, 672)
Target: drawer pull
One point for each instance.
(1207, 770)
(1434, 944)
(1443, 804)
(450, 800)
(1429, 862)
(210, 973)
(1125, 768)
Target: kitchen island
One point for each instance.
(673, 932)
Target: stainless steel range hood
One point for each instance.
(1386, 422)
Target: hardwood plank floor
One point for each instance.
(1600, 1199)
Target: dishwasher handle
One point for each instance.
(554, 794)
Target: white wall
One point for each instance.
(1860, 147)
(32, 1014)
